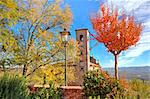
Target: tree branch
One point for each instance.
(43, 64)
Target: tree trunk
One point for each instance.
(116, 67)
(4, 68)
(24, 70)
(3, 65)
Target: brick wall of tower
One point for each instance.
(82, 36)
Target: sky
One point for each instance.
(136, 56)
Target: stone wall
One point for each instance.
(72, 92)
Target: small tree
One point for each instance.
(116, 32)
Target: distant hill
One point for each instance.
(131, 72)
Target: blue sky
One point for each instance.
(138, 55)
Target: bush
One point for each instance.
(137, 89)
(13, 87)
(100, 84)
(47, 93)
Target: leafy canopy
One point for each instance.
(116, 32)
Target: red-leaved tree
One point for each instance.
(116, 32)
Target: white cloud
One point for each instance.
(110, 63)
(141, 11)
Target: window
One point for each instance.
(81, 37)
(82, 69)
(81, 60)
(81, 53)
(81, 56)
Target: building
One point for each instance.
(86, 62)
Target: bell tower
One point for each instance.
(82, 36)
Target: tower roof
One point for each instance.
(81, 29)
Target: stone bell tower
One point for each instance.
(82, 36)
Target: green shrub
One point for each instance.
(13, 87)
(140, 88)
(98, 84)
(47, 93)
(137, 89)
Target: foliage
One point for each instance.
(9, 15)
(97, 84)
(140, 88)
(34, 40)
(137, 89)
(50, 73)
(54, 71)
(9, 12)
(37, 36)
(47, 93)
(116, 32)
(13, 87)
